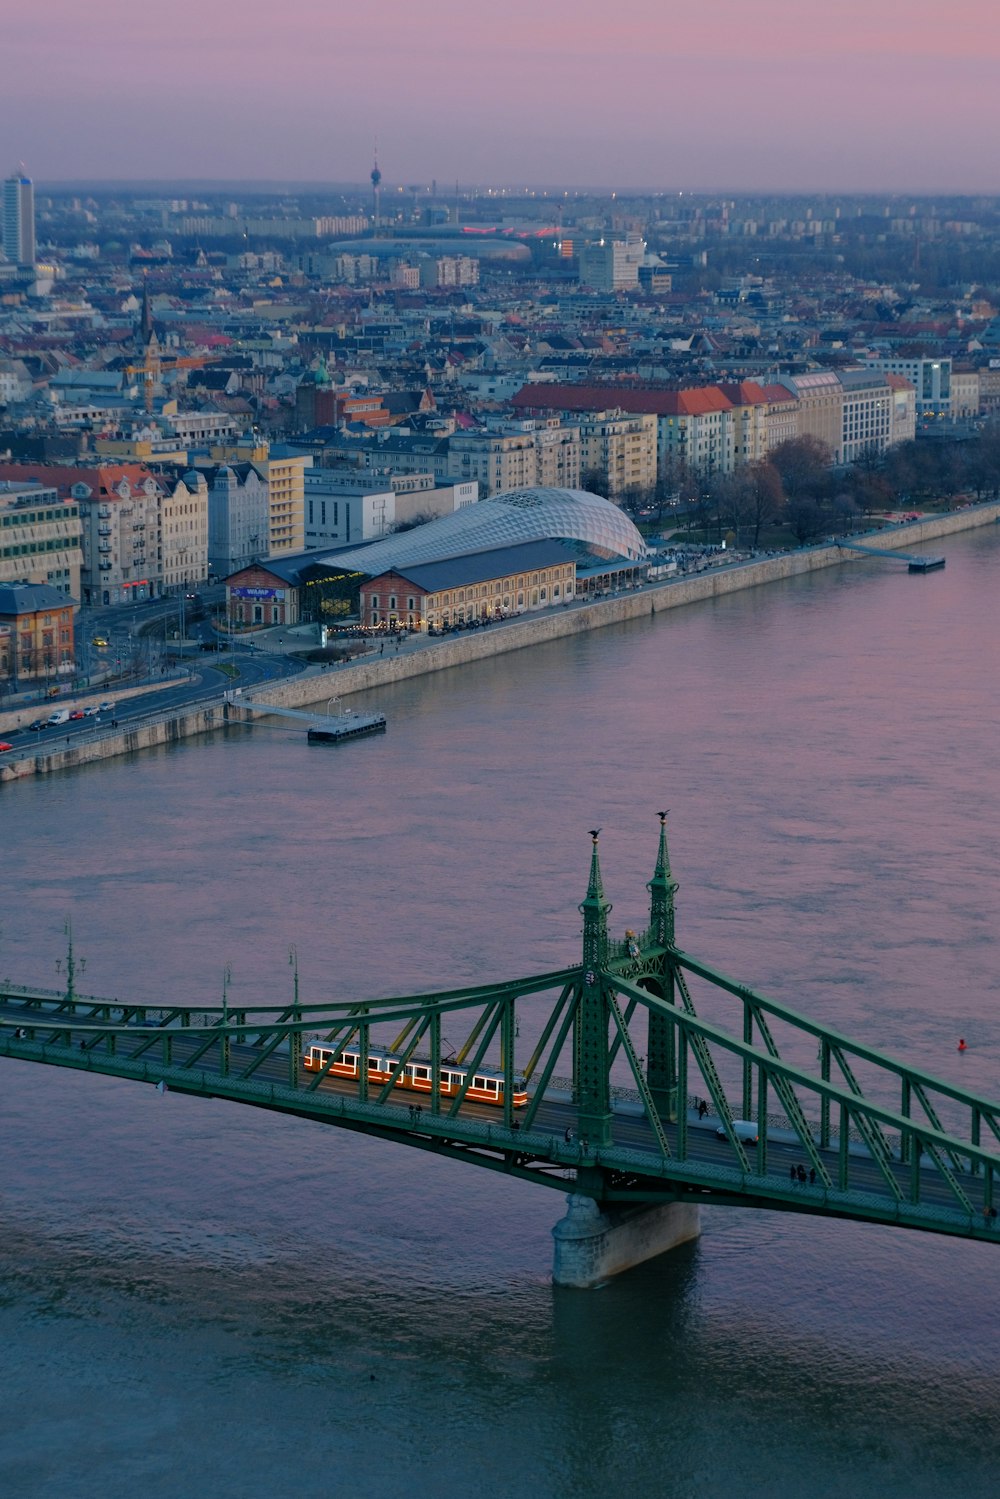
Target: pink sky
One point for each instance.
(747, 95)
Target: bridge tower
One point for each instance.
(597, 1239)
(661, 1059)
(591, 1083)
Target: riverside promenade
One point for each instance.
(419, 654)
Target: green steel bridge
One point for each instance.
(651, 1078)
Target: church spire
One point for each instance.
(146, 326)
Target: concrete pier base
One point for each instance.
(591, 1246)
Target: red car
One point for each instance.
(4, 745)
(77, 713)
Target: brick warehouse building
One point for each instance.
(480, 585)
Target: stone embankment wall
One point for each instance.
(123, 741)
(377, 671)
(571, 620)
(15, 718)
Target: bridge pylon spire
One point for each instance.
(662, 889)
(595, 910)
(661, 1044)
(592, 1085)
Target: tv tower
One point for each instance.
(376, 176)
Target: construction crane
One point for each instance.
(154, 366)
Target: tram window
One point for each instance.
(422, 1072)
(374, 1065)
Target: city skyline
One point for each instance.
(845, 99)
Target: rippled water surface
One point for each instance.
(197, 1298)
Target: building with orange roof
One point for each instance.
(122, 507)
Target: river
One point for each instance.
(200, 1299)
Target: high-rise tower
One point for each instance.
(19, 218)
(376, 190)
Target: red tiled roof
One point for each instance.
(744, 393)
(698, 401)
(899, 382)
(101, 479)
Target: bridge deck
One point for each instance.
(700, 1166)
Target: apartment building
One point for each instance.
(184, 531)
(40, 537)
(749, 421)
(36, 633)
(237, 499)
(695, 432)
(517, 455)
(284, 474)
(781, 419)
(119, 510)
(622, 448)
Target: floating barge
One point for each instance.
(924, 564)
(347, 726)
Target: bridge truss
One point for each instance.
(649, 1076)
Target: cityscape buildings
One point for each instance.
(212, 383)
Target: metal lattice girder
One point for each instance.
(493, 1018)
(216, 1033)
(789, 1101)
(155, 1039)
(568, 993)
(712, 1080)
(266, 1049)
(847, 1046)
(325, 1069)
(920, 1094)
(647, 1098)
(874, 1138)
(869, 1117)
(404, 1057)
(619, 1039)
(569, 1001)
(938, 1157)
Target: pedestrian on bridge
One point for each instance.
(793, 1173)
(702, 1108)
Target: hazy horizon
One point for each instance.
(764, 99)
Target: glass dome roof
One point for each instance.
(517, 515)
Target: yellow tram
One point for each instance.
(487, 1085)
